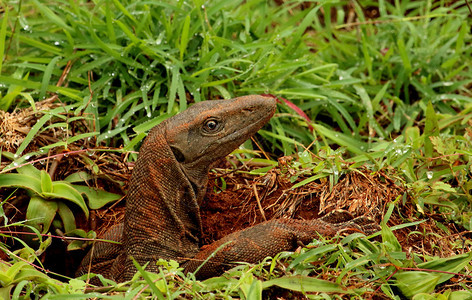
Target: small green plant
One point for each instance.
(47, 198)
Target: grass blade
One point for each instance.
(301, 283)
(184, 37)
(47, 76)
(3, 34)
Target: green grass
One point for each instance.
(390, 93)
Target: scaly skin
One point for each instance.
(162, 218)
(255, 243)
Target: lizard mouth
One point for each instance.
(179, 156)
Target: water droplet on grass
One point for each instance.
(429, 174)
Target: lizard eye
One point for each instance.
(211, 125)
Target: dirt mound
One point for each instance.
(248, 200)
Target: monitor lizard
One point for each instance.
(162, 216)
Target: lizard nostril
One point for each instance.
(249, 109)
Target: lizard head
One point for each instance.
(209, 130)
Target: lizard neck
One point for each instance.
(162, 212)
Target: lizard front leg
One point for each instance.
(255, 243)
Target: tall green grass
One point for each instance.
(370, 79)
(387, 85)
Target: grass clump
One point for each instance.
(386, 85)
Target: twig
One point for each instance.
(64, 74)
(260, 148)
(468, 6)
(258, 201)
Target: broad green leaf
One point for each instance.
(63, 190)
(5, 292)
(9, 272)
(46, 182)
(442, 186)
(453, 264)
(41, 212)
(97, 198)
(414, 282)
(301, 283)
(67, 217)
(81, 176)
(21, 181)
(448, 295)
